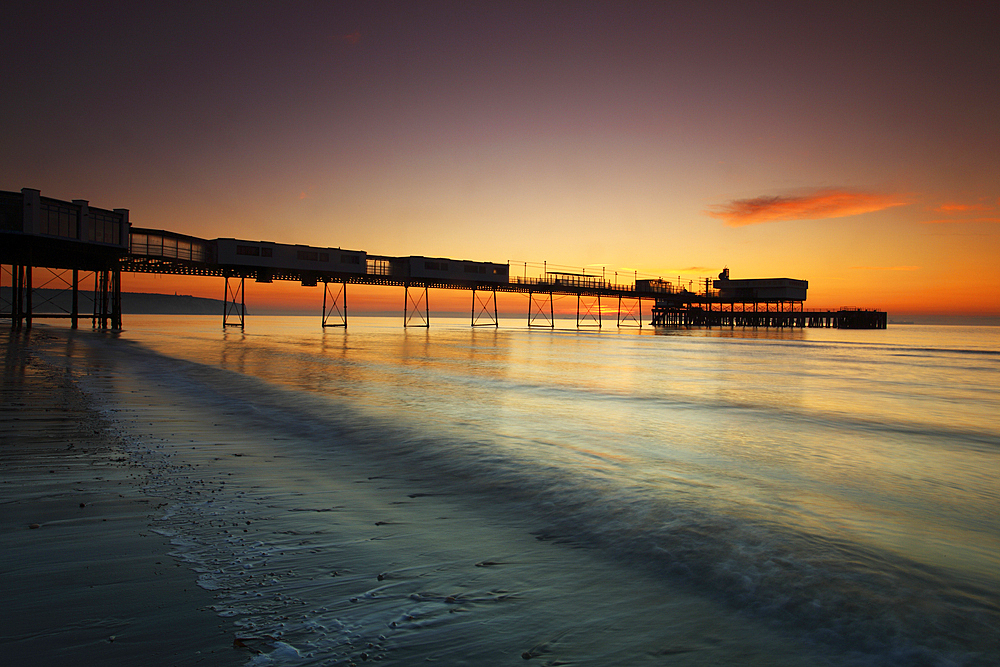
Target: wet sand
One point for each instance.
(84, 579)
(216, 505)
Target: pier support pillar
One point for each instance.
(7, 307)
(536, 310)
(588, 311)
(234, 310)
(116, 299)
(27, 311)
(483, 310)
(101, 300)
(16, 296)
(74, 313)
(414, 317)
(633, 313)
(108, 299)
(336, 314)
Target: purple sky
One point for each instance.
(854, 144)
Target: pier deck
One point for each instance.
(70, 238)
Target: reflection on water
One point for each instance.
(831, 481)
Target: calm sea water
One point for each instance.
(486, 496)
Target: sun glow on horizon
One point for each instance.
(682, 141)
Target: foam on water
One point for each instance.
(339, 527)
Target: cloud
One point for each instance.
(816, 205)
(886, 268)
(352, 38)
(957, 221)
(961, 208)
(958, 213)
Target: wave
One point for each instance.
(876, 607)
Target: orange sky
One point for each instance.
(834, 142)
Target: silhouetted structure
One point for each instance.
(74, 237)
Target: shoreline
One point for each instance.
(326, 521)
(85, 579)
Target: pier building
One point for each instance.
(74, 244)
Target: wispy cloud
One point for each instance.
(959, 221)
(886, 268)
(961, 208)
(816, 205)
(350, 38)
(961, 213)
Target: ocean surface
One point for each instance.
(483, 496)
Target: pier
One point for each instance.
(73, 246)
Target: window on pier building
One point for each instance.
(350, 259)
(436, 266)
(59, 221)
(379, 267)
(147, 244)
(201, 252)
(105, 227)
(138, 244)
(248, 250)
(313, 256)
(169, 247)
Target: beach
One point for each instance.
(291, 496)
(85, 580)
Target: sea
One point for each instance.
(462, 495)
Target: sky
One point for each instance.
(851, 144)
